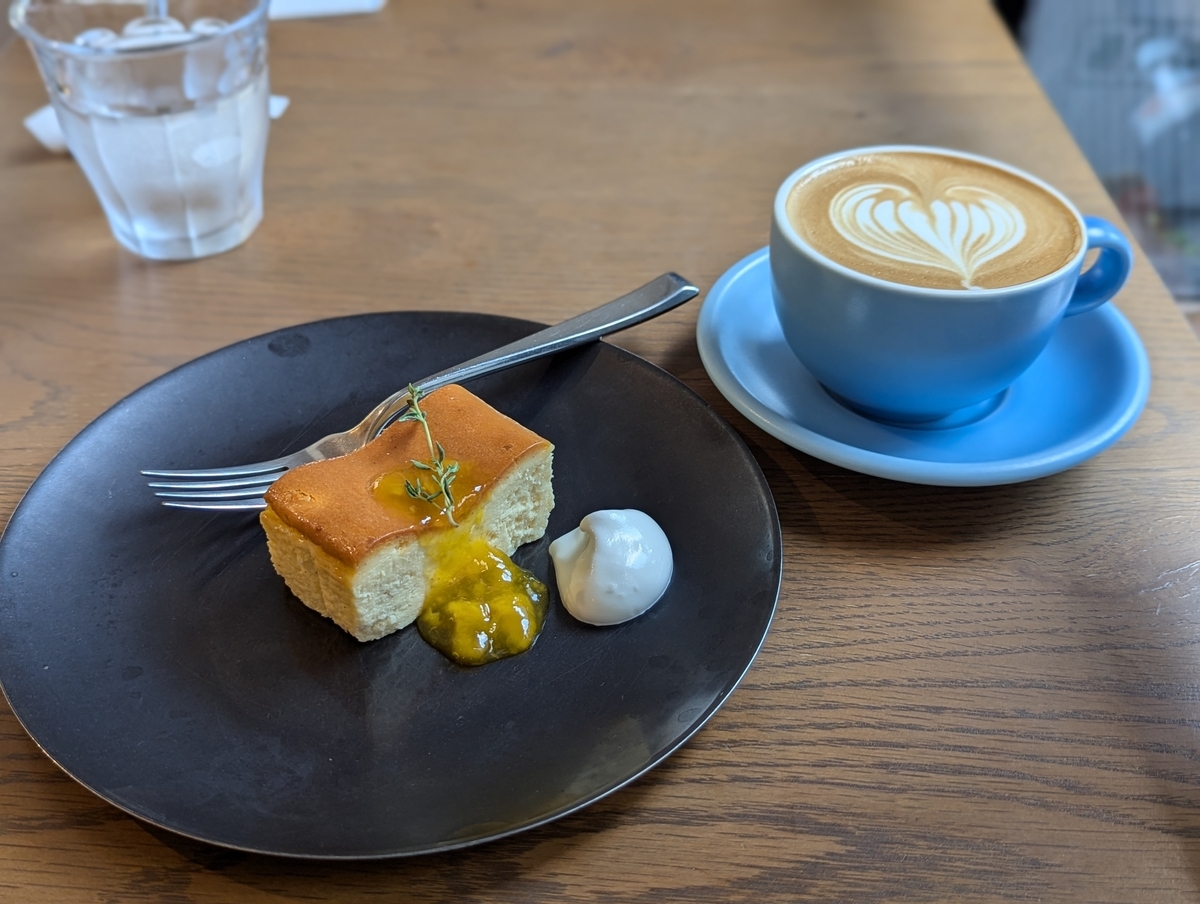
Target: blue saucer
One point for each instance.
(1084, 391)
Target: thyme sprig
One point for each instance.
(442, 472)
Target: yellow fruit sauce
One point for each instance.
(480, 606)
(391, 490)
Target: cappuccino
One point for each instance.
(939, 222)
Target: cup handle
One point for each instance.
(1103, 279)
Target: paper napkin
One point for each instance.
(304, 9)
(43, 124)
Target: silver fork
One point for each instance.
(241, 488)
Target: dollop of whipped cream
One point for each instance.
(613, 567)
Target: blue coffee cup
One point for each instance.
(920, 356)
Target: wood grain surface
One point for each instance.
(972, 695)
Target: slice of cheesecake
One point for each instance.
(352, 542)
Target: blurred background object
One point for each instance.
(1125, 77)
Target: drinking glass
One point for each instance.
(165, 108)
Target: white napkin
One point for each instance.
(43, 123)
(304, 9)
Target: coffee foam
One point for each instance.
(932, 220)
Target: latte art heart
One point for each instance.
(960, 231)
(932, 219)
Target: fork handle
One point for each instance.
(656, 297)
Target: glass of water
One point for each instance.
(164, 105)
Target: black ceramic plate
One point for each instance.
(157, 658)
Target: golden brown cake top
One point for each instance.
(350, 505)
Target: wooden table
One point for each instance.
(968, 694)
